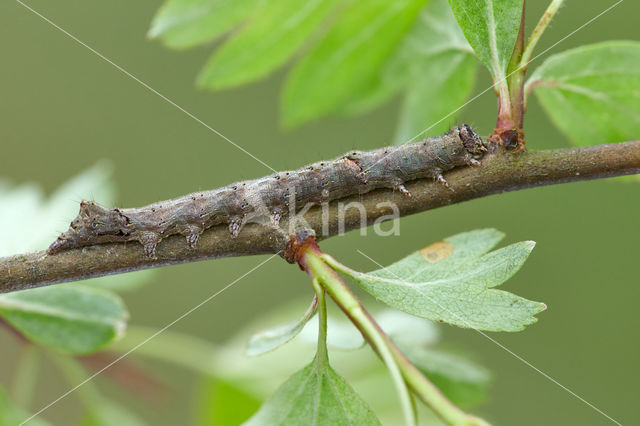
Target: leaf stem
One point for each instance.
(322, 355)
(537, 32)
(312, 261)
(509, 127)
(321, 272)
(534, 38)
(25, 376)
(420, 385)
(333, 262)
(513, 118)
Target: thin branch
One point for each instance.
(500, 172)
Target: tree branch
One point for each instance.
(500, 172)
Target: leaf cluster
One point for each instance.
(348, 57)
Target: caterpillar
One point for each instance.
(275, 195)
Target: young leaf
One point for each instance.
(347, 59)
(70, 318)
(452, 280)
(491, 26)
(10, 415)
(315, 395)
(186, 23)
(592, 93)
(267, 42)
(272, 338)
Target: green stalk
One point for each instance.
(25, 376)
(322, 356)
(511, 111)
(542, 25)
(515, 83)
(322, 273)
(314, 264)
(534, 38)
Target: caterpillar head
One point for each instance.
(94, 224)
(471, 141)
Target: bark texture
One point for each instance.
(501, 171)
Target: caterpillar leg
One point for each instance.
(437, 175)
(397, 183)
(235, 223)
(403, 189)
(192, 233)
(354, 160)
(442, 180)
(149, 241)
(275, 218)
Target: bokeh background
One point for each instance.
(62, 109)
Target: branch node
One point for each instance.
(301, 240)
(511, 139)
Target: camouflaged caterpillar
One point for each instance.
(274, 195)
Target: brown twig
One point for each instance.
(500, 172)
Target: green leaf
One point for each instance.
(452, 280)
(10, 415)
(224, 404)
(434, 32)
(186, 23)
(369, 96)
(70, 318)
(445, 85)
(462, 381)
(315, 395)
(272, 338)
(439, 67)
(347, 59)
(436, 66)
(491, 27)
(267, 42)
(592, 93)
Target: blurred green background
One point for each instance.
(63, 109)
